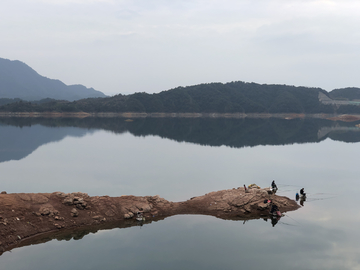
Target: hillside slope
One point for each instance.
(232, 97)
(18, 80)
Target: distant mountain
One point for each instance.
(18, 80)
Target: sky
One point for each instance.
(128, 46)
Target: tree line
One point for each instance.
(233, 97)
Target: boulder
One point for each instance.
(68, 201)
(39, 198)
(44, 211)
(128, 215)
(74, 212)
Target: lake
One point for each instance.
(178, 159)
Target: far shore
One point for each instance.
(334, 117)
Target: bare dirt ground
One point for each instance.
(26, 218)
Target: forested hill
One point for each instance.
(207, 98)
(233, 97)
(349, 93)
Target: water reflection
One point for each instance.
(302, 199)
(274, 220)
(192, 242)
(100, 162)
(17, 142)
(21, 136)
(80, 233)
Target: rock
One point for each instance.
(3, 192)
(74, 212)
(58, 226)
(60, 194)
(262, 206)
(80, 195)
(97, 217)
(128, 215)
(24, 196)
(44, 211)
(156, 198)
(79, 206)
(68, 201)
(39, 198)
(77, 200)
(133, 209)
(247, 208)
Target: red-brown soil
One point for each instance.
(27, 217)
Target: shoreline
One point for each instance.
(130, 115)
(28, 218)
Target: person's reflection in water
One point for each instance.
(274, 220)
(302, 200)
(140, 218)
(140, 223)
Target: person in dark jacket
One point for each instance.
(273, 186)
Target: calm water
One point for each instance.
(179, 159)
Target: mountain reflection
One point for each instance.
(21, 136)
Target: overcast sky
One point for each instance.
(128, 46)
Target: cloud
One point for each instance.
(186, 42)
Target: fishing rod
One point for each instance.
(288, 224)
(319, 199)
(286, 215)
(287, 185)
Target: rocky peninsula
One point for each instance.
(28, 218)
